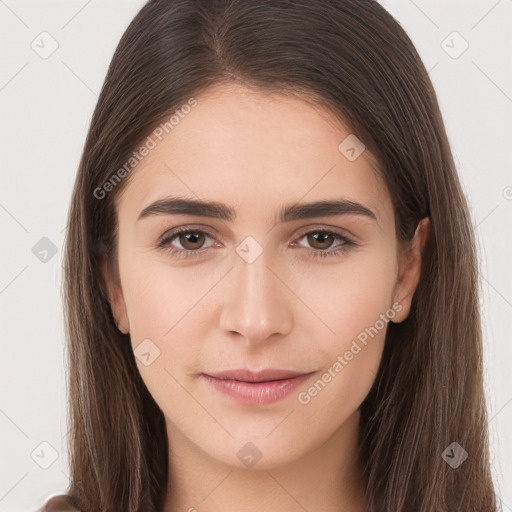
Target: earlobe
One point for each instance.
(409, 271)
(114, 294)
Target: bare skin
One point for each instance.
(289, 308)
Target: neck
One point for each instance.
(330, 478)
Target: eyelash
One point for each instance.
(165, 243)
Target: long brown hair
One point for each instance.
(352, 57)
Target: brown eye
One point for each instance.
(320, 240)
(185, 242)
(321, 243)
(191, 240)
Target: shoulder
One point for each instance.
(59, 503)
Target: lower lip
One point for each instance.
(256, 393)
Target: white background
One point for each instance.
(46, 106)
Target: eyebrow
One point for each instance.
(290, 212)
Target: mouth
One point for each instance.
(256, 388)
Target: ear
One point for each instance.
(115, 296)
(409, 271)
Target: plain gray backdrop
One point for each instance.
(54, 59)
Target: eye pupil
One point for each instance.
(320, 237)
(191, 238)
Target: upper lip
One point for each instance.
(246, 375)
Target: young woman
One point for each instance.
(270, 275)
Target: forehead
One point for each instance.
(245, 147)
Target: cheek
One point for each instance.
(358, 311)
(158, 296)
(162, 304)
(355, 307)
(350, 297)
(170, 307)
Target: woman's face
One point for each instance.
(261, 282)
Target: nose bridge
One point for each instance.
(256, 305)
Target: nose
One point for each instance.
(257, 304)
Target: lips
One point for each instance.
(246, 375)
(256, 388)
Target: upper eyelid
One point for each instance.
(302, 233)
(174, 232)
